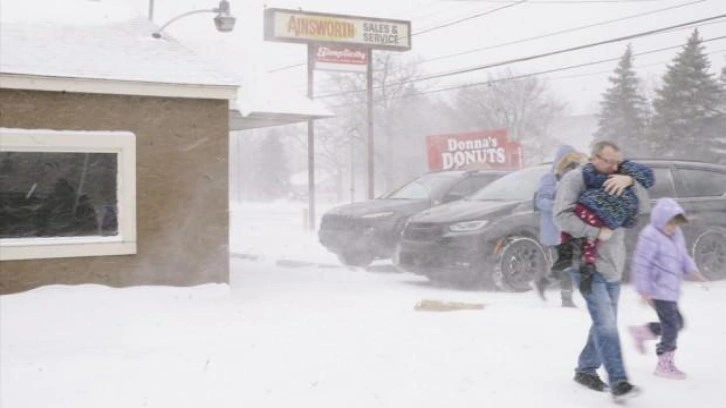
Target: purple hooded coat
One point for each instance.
(660, 261)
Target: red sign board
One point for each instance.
(489, 149)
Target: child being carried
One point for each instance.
(598, 208)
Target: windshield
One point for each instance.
(424, 187)
(518, 186)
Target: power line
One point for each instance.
(567, 30)
(541, 55)
(428, 30)
(436, 12)
(419, 10)
(459, 21)
(538, 73)
(416, 79)
(533, 38)
(576, 48)
(563, 1)
(549, 71)
(302, 64)
(638, 66)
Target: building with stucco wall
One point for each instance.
(114, 152)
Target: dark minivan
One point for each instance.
(358, 233)
(490, 238)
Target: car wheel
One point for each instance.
(709, 252)
(520, 261)
(355, 257)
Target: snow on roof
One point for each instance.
(110, 40)
(262, 98)
(95, 40)
(266, 103)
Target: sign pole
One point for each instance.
(296, 26)
(311, 145)
(371, 144)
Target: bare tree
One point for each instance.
(399, 120)
(524, 106)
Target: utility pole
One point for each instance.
(151, 10)
(371, 145)
(352, 164)
(311, 142)
(339, 30)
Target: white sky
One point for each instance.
(244, 51)
(529, 19)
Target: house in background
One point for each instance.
(114, 151)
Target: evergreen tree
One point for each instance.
(272, 172)
(686, 107)
(623, 110)
(715, 128)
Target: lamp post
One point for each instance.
(224, 21)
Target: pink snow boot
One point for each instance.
(641, 334)
(666, 368)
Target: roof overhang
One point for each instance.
(247, 110)
(272, 107)
(256, 120)
(116, 87)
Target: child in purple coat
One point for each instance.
(660, 263)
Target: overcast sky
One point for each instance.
(246, 53)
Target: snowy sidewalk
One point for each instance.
(274, 233)
(314, 337)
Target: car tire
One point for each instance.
(359, 258)
(518, 263)
(709, 252)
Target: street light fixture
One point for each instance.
(224, 21)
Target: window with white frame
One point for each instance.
(67, 193)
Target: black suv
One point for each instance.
(360, 232)
(492, 236)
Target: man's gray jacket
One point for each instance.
(611, 253)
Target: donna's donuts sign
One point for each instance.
(489, 149)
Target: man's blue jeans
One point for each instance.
(603, 340)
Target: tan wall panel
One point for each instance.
(182, 194)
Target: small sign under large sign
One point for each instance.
(306, 27)
(335, 57)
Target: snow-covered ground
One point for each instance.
(272, 232)
(316, 336)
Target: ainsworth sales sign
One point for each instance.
(306, 27)
(489, 149)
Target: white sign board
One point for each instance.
(305, 27)
(340, 58)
